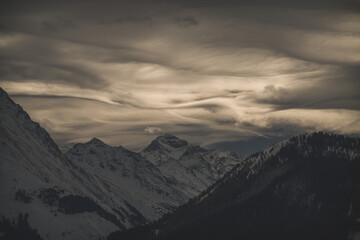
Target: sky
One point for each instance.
(234, 75)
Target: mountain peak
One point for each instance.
(13, 116)
(2, 91)
(7, 100)
(96, 141)
(171, 140)
(281, 181)
(167, 136)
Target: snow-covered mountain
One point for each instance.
(192, 167)
(43, 190)
(137, 176)
(306, 187)
(165, 174)
(94, 189)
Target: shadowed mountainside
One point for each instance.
(307, 187)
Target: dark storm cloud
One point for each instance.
(128, 19)
(209, 71)
(26, 71)
(31, 58)
(186, 21)
(306, 4)
(57, 23)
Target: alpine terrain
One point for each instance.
(44, 192)
(307, 187)
(192, 168)
(95, 188)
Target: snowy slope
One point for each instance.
(63, 201)
(133, 172)
(96, 189)
(165, 174)
(192, 167)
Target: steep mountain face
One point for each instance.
(192, 167)
(307, 187)
(41, 189)
(164, 175)
(142, 183)
(94, 189)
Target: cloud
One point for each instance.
(27, 58)
(208, 71)
(127, 19)
(153, 130)
(186, 21)
(57, 23)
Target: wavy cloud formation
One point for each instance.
(210, 72)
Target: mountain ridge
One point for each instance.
(305, 187)
(39, 182)
(130, 170)
(194, 167)
(113, 162)
(61, 198)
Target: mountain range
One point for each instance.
(94, 189)
(307, 187)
